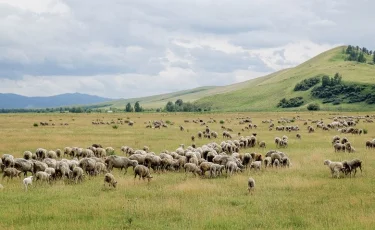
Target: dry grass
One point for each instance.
(301, 197)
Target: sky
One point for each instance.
(127, 49)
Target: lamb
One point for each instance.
(27, 181)
(250, 184)
(349, 166)
(216, 170)
(11, 172)
(110, 179)
(42, 176)
(335, 167)
(262, 144)
(78, 174)
(256, 165)
(190, 167)
(142, 171)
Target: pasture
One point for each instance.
(303, 196)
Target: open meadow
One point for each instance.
(303, 196)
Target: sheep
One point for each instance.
(51, 171)
(51, 154)
(27, 181)
(232, 167)
(78, 174)
(27, 155)
(262, 144)
(256, 165)
(276, 163)
(41, 153)
(67, 151)
(339, 147)
(142, 171)
(335, 167)
(88, 165)
(250, 184)
(204, 167)
(110, 179)
(110, 151)
(11, 172)
(216, 170)
(42, 176)
(39, 166)
(24, 165)
(100, 168)
(193, 168)
(120, 162)
(267, 161)
(349, 166)
(58, 153)
(298, 136)
(8, 160)
(285, 162)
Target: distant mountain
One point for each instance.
(15, 101)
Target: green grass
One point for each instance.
(301, 197)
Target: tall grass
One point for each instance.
(303, 196)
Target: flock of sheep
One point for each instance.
(74, 163)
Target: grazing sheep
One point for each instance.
(276, 163)
(335, 167)
(110, 179)
(78, 174)
(262, 144)
(51, 171)
(24, 165)
(142, 171)
(42, 176)
(27, 181)
(349, 166)
(232, 167)
(285, 162)
(51, 154)
(41, 153)
(27, 155)
(8, 160)
(256, 165)
(11, 172)
(100, 168)
(298, 136)
(193, 168)
(267, 162)
(121, 162)
(250, 184)
(216, 170)
(58, 153)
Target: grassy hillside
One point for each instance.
(264, 93)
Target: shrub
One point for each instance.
(115, 126)
(222, 121)
(36, 125)
(313, 107)
(168, 122)
(292, 102)
(307, 84)
(365, 131)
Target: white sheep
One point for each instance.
(27, 181)
(256, 165)
(335, 167)
(250, 184)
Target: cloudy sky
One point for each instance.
(132, 48)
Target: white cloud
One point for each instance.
(138, 48)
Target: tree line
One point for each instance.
(355, 53)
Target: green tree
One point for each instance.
(137, 107)
(373, 57)
(179, 102)
(325, 81)
(128, 108)
(170, 107)
(337, 79)
(361, 58)
(313, 107)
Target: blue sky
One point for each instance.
(123, 49)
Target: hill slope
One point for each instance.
(263, 94)
(14, 101)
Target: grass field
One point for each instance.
(303, 196)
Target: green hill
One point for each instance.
(264, 93)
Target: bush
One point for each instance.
(307, 84)
(365, 131)
(168, 122)
(222, 121)
(115, 126)
(313, 107)
(292, 102)
(36, 125)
